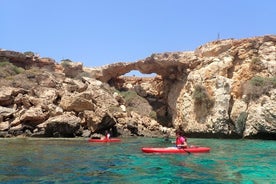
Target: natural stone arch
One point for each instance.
(169, 67)
(174, 66)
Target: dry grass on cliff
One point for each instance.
(13, 76)
(203, 103)
(256, 65)
(8, 69)
(136, 103)
(258, 86)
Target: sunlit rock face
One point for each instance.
(225, 88)
(222, 68)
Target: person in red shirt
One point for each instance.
(180, 141)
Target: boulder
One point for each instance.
(77, 102)
(7, 95)
(33, 116)
(65, 125)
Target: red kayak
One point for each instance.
(194, 149)
(105, 140)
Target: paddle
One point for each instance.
(187, 151)
(184, 149)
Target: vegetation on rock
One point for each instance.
(258, 86)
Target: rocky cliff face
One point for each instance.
(46, 99)
(225, 88)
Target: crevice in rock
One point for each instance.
(262, 135)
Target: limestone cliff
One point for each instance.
(225, 88)
(210, 91)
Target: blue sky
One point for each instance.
(100, 32)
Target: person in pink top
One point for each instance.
(180, 141)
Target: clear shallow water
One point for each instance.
(78, 161)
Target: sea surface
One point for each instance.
(26, 160)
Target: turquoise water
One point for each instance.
(78, 161)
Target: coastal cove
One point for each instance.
(60, 160)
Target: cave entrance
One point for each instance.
(145, 94)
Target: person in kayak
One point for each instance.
(107, 135)
(180, 141)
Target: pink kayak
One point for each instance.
(105, 140)
(194, 149)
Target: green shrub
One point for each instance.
(258, 86)
(273, 81)
(29, 53)
(136, 103)
(201, 97)
(65, 63)
(18, 70)
(256, 64)
(255, 60)
(203, 103)
(153, 115)
(258, 81)
(81, 75)
(129, 95)
(199, 94)
(4, 63)
(7, 69)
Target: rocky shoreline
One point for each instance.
(223, 89)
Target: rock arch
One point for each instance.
(168, 65)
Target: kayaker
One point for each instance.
(107, 135)
(180, 141)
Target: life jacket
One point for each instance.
(180, 140)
